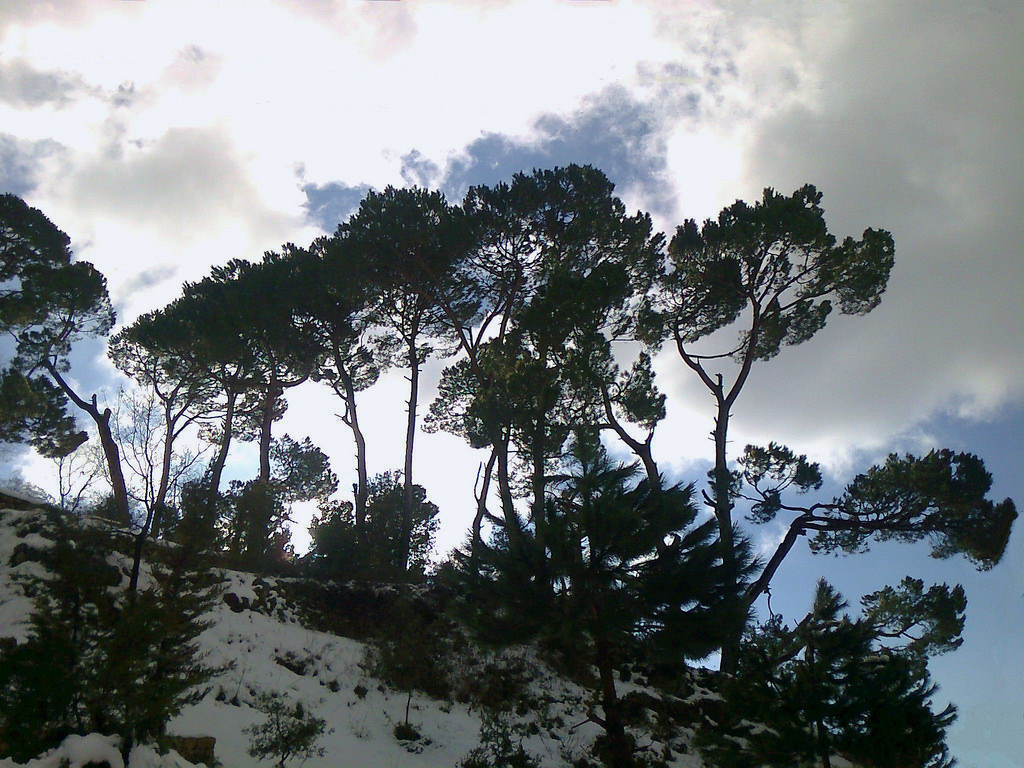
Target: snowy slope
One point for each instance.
(257, 634)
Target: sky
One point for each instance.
(167, 137)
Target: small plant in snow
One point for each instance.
(289, 731)
(501, 745)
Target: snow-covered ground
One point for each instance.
(271, 651)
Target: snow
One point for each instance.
(79, 751)
(265, 648)
(15, 607)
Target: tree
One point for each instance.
(176, 395)
(144, 429)
(939, 497)
(832, 685)
(633, 572)
(774, 271)
(47, 303)
(37, 290)
(300, 472)
(335, 301)
(256, 328)
(408, 240)
(289, 731)
(342, 550)
(198, 343)
(556, 264)
(100, 658)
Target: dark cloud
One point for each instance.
(20, 160)
(21, 85)
(624, 133)
(613, 130)
(420, 171)
(147, 278)
(330, 204)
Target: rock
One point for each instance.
(236, 603)
(195, 749)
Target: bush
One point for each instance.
(406, 732)
(500, 746)
(289, 731)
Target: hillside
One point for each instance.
(266, 634)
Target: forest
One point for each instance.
(547, 301)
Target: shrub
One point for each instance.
(289, 731)
(500, 746)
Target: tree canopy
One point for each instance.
(48, 302)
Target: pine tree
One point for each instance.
(342, 549)
(100, 658)
(829, 686)
(631, 572)
(289, 731)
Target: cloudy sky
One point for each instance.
(168, 136)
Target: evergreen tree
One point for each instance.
(774, 270)
(254, 329)
(100, 658)
(260, 510)
(337, 304)
(940, 498)
(289, 731)
(408, 241)
(632, 570)
(831, 686)
(556, 263)
(342, 550)
(47, 303)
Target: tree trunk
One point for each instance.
(538, 479)
(481, 510)
(410, 436)
(266, 430)
(160, 499)
(110, 450)
(641, 450)
(512, 525)
(352, 420)
(620, 750)
(219, 462)
(113, 458)
(722, 497)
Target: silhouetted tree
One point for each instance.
(939, 497)
(774, 270)
(300, 472)
(336, 302)
(407, 239)
(47, 303)
(632, 569)
(557, 263)
(832, 685)
(341, 550)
